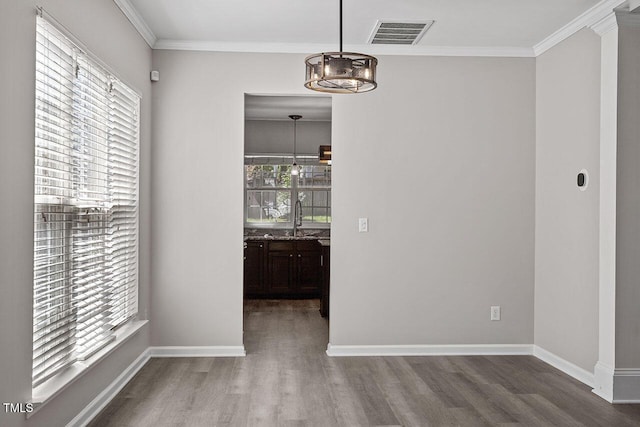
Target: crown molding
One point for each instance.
(209, 46)
(137, 21)
(592, 16)
(605, 25)
(600, 18)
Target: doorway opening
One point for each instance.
(287, 221)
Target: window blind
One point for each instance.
(85, 204)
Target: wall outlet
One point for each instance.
(363, 225)
(495, 312)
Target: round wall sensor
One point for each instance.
(583, 180)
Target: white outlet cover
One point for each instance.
(363, 225)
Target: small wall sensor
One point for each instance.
(155, 76)
(583, 180)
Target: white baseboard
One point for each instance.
(210, 351)
(103, 399)
(626, 385)
(565, 366)
(557, 362)
(620, 385)
(430, 350)
(603, 381)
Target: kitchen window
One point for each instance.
(85, 204)
(270, 189)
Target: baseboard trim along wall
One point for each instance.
(621, 385)
(603, 381)
(210, 351)
(565, 366)
(627, 381)
(626, 385)
(557, 362)
(102, 400)
(430, 350)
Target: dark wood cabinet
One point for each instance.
(289, 269)
(307, 274)
(280, 268)
(324, 281)
(254, 267)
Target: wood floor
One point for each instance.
(286, 379)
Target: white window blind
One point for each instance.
(86, 204)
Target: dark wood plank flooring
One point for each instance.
(286, 379)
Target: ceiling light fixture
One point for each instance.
(340, 72)
(295, 169)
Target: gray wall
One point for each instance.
(440, 158)
(198, 126)
(108, 34)
(568, 140)
(276, 136)
(459, 146)
(628, 200)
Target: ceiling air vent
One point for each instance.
(408, 32)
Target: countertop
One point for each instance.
(325, 241)
(284, 238)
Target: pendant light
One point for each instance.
(295, 169)
(340, 72)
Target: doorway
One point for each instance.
(287, 220)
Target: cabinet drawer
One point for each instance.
(307, 245)
(281, 246)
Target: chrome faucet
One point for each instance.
(297, 217)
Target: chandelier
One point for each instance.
(340, 72)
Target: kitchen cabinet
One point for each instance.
(293, 268)
(290, 269)
(254, 267)
(324, 280)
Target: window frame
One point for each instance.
(294, 190)
(123, 295)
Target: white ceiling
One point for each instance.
(311, 108)
(510, 26)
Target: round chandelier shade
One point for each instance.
(341, 72)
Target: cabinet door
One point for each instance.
(324, 281)
(280, 271)
(308, 272)
(254, 268)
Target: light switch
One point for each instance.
(363, 225)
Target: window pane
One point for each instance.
(254, 174)
(315, 176)
(270, 176)
(284, 176)
(268, 206)
(315, 206)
